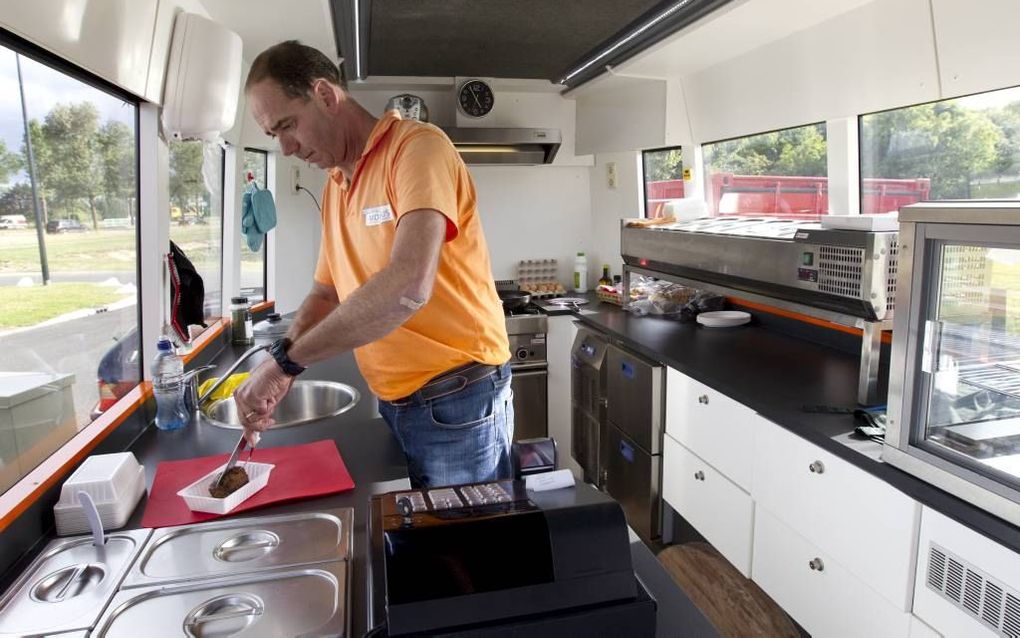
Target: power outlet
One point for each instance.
(611, 175)
(295, 180)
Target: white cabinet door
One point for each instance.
(712, 425)
(717, 508)
(814, 588)
(112, 39)
(559, 341)
(863, 522)
(967, 584)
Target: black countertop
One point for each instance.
(777, 374)
(377, 465)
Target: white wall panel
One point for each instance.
(298, 232)
(112, 38)
(621, 114)
(609, 205)
(878, 56)
(538, 212)
(978, 45)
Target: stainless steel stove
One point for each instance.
(526, 328)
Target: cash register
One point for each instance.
(494, 559)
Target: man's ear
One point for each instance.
(326, 92)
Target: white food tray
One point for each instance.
(197, 496)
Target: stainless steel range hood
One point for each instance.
(506, 146)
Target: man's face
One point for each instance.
(303, 127)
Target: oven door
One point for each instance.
(531, 401)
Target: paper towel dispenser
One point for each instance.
(203, 79)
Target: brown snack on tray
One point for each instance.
(235, 478)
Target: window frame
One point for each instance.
(265, 243)
(21, 496)
(644, 172)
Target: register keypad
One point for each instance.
(445, 498)
(485, 494)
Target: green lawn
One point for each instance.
(108, 250)
(35, 304)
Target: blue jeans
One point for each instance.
(461, 437)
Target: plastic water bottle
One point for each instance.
(581, 273)
(168, 386)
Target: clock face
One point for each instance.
(475, 98)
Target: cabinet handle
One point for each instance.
(816, 564)
(817, 467)
(703, 399)
(699, 476)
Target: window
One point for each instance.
(782, 173)
(253, 264)
(963, 148)
(664, 178)
(68, 255)
(196, 213)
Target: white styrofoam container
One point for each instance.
(197, 496)
(107, 478)
(70, 518)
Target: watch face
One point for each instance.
(410, 107)
(475, 98)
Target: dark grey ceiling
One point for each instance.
(495, 38)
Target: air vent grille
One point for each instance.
(892, 265)
(839, 270)
(973, 591)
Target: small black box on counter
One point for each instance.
(494, 560)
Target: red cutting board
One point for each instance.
(302, 471)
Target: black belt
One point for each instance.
(455, 380)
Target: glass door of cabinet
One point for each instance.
(968, 395)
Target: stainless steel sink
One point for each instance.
(307, 401)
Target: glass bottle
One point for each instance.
(241, 330)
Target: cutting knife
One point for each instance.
(232, 461)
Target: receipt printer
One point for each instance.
(494, 559)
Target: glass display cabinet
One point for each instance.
(954, 386)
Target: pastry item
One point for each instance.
(234, 479)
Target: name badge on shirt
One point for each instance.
(375, 215)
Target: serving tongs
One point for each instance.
(232, 461)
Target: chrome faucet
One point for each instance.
(199, 400)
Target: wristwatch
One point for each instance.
(279, 351)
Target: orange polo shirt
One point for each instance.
(407, 166)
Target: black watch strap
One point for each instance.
(279, 351)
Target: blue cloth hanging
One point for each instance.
(258, 215)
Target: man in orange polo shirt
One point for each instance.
(403, 276)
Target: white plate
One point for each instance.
(723, 318)
(197, 495)
(567, 301)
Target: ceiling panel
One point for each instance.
(488, 38)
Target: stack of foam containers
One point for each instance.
(115, 482)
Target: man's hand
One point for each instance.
(257, 398)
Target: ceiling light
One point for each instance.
(630, 36)
(357, 42)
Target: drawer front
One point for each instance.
(712, 425)
(631, 476)
(634, 397)
(967, 584)
(861, 521)
(815, 589)
(716, 507)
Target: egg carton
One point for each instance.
(538, 277)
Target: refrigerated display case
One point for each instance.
(954, 387)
